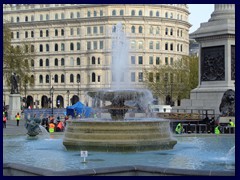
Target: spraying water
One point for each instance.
(120, 45)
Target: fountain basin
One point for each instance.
(118, 136)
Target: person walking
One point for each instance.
(179, 129)
(51, 127)
(4, 121)
(18, 118)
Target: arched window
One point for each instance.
(32, 18)
(114, 13)
(41, 33)
(32, 33)
(62, 62)
(78, 14)
(62, 32)
(166, 14)
(32, 78)
(140, 29)
(166, 46)
(71, 78)
(41, 17)
(41, 48)
(47, 17)
(133, 29)
(171, 46)
(62, 47)
(26, 34)
(89, 13)
(56, 47)
(56, 32)
(72, 15)
(157, 30)
(78, 46)
(151, 13)
(47, 78)
(78, 31)
(140, 13)
(18, 19)
(133, 12)
(171, 31)
(157, 13)
(101, 13)
(78, 61)
(40, 79)
(99, 60)
(78, 78)
(166, 31)
(32, 48)
(47, 33)
(56, 78)
(47, 62)
(62, 16)
(121, 12)
(93, 60)
(72, 47)
(26, 18)
(95, 13)
(56, 16)
(93, 77)
(62, 78)
(40, 62)
(56, 62)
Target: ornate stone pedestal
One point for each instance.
(14, 106)
(217, 59)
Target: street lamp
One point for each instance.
(68, 92)
(78, 87)
(51, 92)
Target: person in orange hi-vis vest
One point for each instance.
(51, 127)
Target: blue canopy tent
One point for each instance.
(80, 109)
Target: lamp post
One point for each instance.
(78, 87)
(51, 92)
(68, 92)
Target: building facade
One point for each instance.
(72, 43)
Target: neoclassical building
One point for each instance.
(72, 43)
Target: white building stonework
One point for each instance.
(72, 43)
(217, 59)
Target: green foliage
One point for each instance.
(176, 80)
(16, 59)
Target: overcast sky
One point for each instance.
(199, 13)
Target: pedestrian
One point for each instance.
(231, 126)
(179, 129)
(18, 118)
(51, 127)
(217, 129)
(4, 121)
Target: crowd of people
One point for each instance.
(210, 126)
(54, 125)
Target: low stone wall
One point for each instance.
(14, 169)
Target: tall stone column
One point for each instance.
(216, 61)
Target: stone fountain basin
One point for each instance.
(118, 136)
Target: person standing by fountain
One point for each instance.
(18, 118)
(179, 129)
(51, 127)
(4, 121)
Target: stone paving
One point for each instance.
(13, 129)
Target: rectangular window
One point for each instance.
(88, 30)
(171, 61)
(101, 29)
(133, 44)
(150, 60)
(140, 45)
(133, 60)
(157, 45)
(95, 45)
(17, 34)
(157, 77)
(140, 60)
(133, 77)
(150, 77)
(101, 44)
(151, 45)
(140, 77)
(157, 60)
(99, 78)
(72, 31)
(78, 31)
(95, 30)
(166, 60)
(88, 45)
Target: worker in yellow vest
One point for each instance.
(18, 118)
(51, 127)
(231, 124)
(217, 129)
